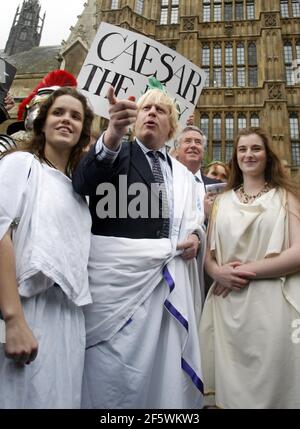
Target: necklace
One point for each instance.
(49, 163)
(248, 199)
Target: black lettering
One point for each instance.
(144, 58)
(190, 83)
(170, 75)
(101, 43)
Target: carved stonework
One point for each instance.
(270, 20)
(228, 30)
(111, 18)
(139, 23)
(188, 24)
(275, 91)
(80, 33)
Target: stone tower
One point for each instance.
(27, 27)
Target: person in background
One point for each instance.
(44, 249)
(142, 339)
(9, 104)
(217, 170)
(250, 357)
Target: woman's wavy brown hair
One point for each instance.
(274, 172)
(37, 144)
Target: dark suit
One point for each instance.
(132, 163)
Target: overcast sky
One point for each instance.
(60, 15)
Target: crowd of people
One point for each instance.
(132, 279)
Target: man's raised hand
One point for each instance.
(122, 114)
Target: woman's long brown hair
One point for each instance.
(36, 145)
(274, 172)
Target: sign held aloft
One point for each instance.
(126, 60)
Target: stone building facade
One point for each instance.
(250, 50)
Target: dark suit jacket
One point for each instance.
(131, 163)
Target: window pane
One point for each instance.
(217, 77)
(228, 11)
(239, 10)
(228, 152)
(229, 127)
(174, 15)
(295, 154)
(217, 55)
(164, 16)
(228, 55)
(207, 81)
(296, 8)
(252, 58)
(289, 75)
(241, 77)
(240, 54)
(254, 121)
(242, 123)
(284, 8)
(217, 128)
(229, 77)
(205, 56)
(288, 53)
(217, 11)
(217, 151)
(206, 12)
(139, 6)
(204, 124)
(252, 76)
(298, 50)
(250, 9)
(294, 127)
(114, 4)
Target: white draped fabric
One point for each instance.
(142, 340)
(249, 358)
(51, 240)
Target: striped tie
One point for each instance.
(159, 178)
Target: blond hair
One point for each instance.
(156, 96)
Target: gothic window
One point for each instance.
(207, 80)
(228, 54)
(217, 77)
(217, 10)
(294, 127)
(254, 120)
(169, 12)
(284, 8)
(252, 64)
(217, 55)
(296, 8)
(205, 55)
(229, 127)
(217, 151)
(229, 77)
(242, 122)
(298, 50)
(240, 54)
(228, 151)
(239, 10)
(217, 124)
(217, 65)
(206, 62)
(228, 11)
(295, 138)
(250, 9)
(114, 4)
(288, 58)
(204, 124)
(206, 10)
(139, 6)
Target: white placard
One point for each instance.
(2, 331)
(126, 60)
